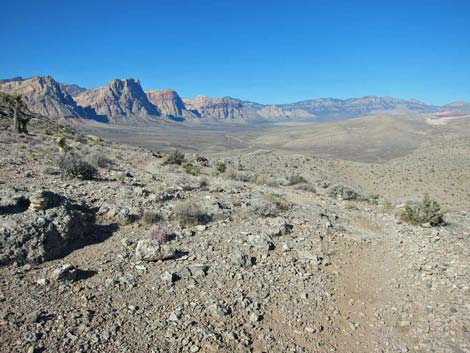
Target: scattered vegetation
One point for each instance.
(221, 167)
(296, 179)
(269, 205)
(426, 211)
(175, 157)
(73, 167)
(262, 179)
(191, 169)
(306, 187)
(61, 142)
(388, 205)
(121, 177)
(191, 213)
(12, 105)
(149, 217)
(98, 160)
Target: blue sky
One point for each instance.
(265, 51)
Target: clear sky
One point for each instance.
(265, 51)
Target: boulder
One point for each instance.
(153, 250)
(45, 231)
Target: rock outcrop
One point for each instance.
(168, 102)
(118, 99)
(45, 231)
(44, 95)
(223, 108)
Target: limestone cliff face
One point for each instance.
(168, 102)
(43, 95)
(223, 108)
(275, 112)
(327, 108)
(118, 99)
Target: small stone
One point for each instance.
(219, 310)
(153, 250)
(169, 277)
(200, 228)
(254, 317)
(41, 281)
(67, 272)
(30, 336)
(176, 314)
(194, 349)
(404, 323)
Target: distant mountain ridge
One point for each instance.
(125, 101)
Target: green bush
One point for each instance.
(426, 211)
(74, 167)
(191, 169)
(221, 167)
(175, 157)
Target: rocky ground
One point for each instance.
(268, 255)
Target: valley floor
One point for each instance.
(281, 266)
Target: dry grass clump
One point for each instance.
(296, 179)
(269, 205)
(99, 160)
(191, 213)
(149, 217)
(427, 211)
(306, 187)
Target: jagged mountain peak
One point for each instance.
(44, 96)
(119, 98)
(168, 102)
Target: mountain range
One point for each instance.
(125, 101)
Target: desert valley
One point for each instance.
(136, 220)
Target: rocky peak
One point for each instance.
(221, 108)
(167, 101)
(44, 96)
(119, 98)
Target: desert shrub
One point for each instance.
(74, 167)
(203, 161)
(121, 177)
(231, 173)
(345, 193)
(160, 234)
(149, 217)
(221, 167)
(99, 161)
(191, 169)
(279, 201)
(306, 187)
(262, 179)
(276, 181)
(426, 211)
(387, 205)
(175, 157)
(191, 213)
(296, 179)
(269, 205)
